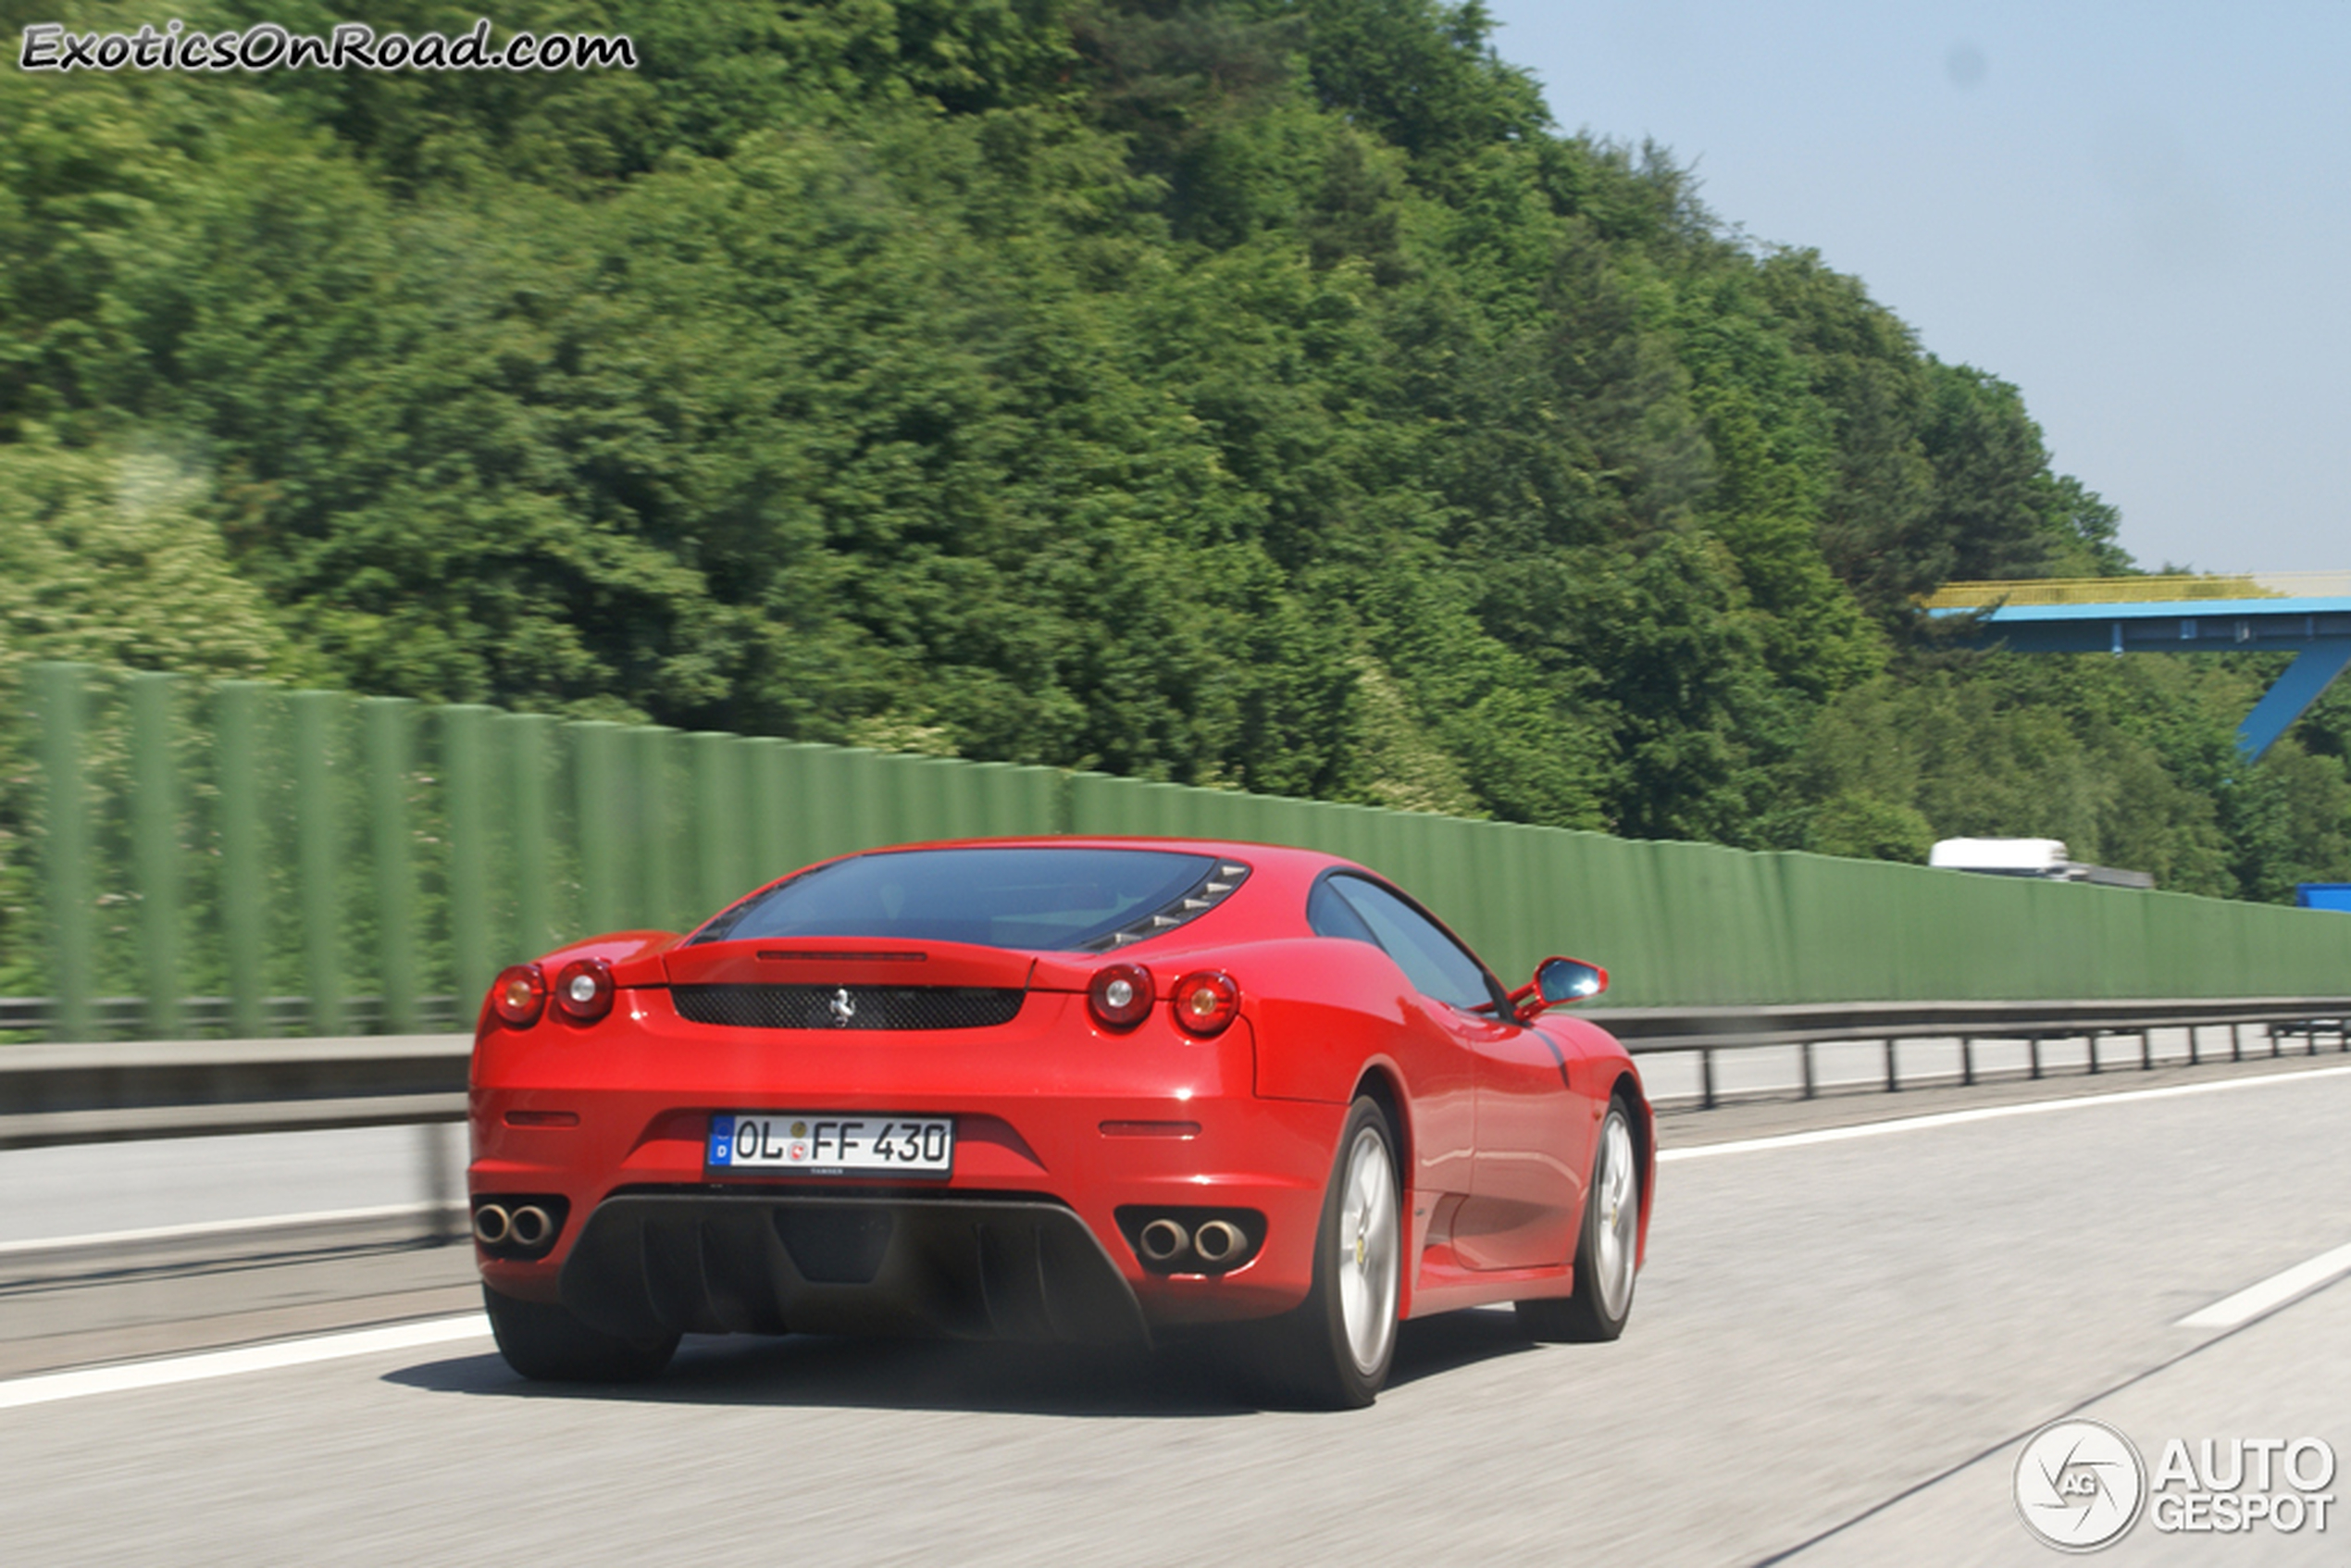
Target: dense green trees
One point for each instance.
(1245, 392)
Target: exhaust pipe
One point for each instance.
(1218, 1241)
(491, 1226)
(1162, 1240)
(530, 1226)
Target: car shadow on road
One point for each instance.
(1182, 1380)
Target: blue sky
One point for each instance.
(2137, 213)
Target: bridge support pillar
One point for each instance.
(2312, 671)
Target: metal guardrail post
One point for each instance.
(444, 1192)
(1706, 1077)
(60, 694)
(1893, 1069)
(1967, 1060)
(2034, 1045)
(1811, 1077)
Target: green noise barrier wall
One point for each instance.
(239, 859)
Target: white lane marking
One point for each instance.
(2255, 1299)
(222, 1228)
(1984, 1114)
(48, 1386)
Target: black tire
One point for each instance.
(1606, 1249)
(1334, 1351)
(548, 1343)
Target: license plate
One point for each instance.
(832, 1144)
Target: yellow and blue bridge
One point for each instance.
(2305, 613)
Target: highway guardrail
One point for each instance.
(1708, 1031)
(52, 1095)
(110, 1093)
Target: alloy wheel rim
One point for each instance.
(1617, 1193)
(1368, 1252)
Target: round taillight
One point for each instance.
(1207, 1001)
(518, 995)
(583, 990)
(1120, 995)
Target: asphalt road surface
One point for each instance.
(1847, 1328)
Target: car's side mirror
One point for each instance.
(1557, 981)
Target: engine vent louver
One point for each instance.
(847, 1007)
(1197, 901)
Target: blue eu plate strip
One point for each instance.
(722, 1138)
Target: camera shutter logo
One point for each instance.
(2079, 1485)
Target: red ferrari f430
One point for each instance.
(1097, 1091)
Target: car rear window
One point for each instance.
(1061, 899)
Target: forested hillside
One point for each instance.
(1252, 393)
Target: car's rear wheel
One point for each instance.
(1607, 1254)
(1336, 1348)
(547, 1342)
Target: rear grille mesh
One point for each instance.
(847, 1007)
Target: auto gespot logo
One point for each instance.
(2080, 1485)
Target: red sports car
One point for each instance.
(1080, 1089)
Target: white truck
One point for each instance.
(2044, 858)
